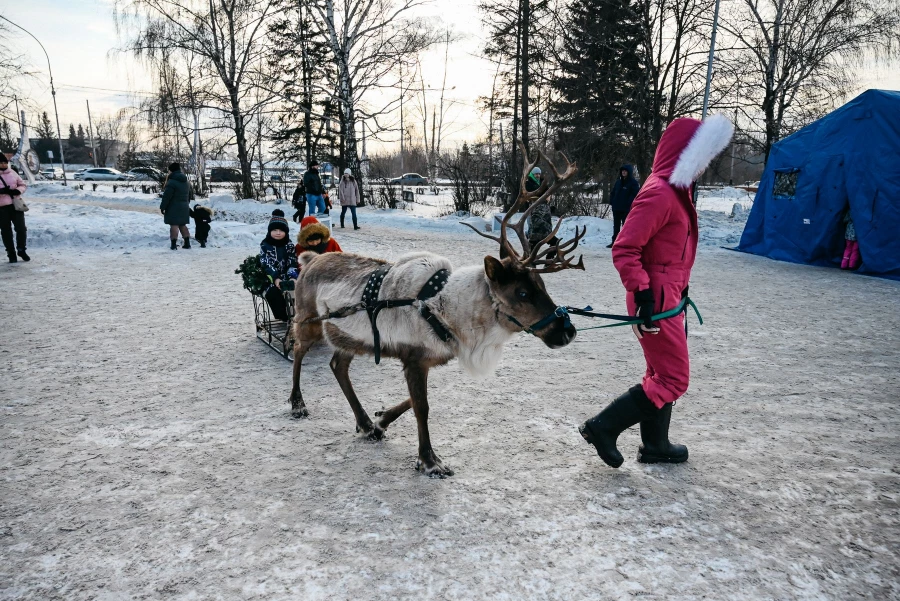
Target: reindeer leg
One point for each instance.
(340, 366)
(417, 380)
(389, 415)
(306, 336)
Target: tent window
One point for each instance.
(786, 183)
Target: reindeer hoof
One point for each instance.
(434, 469)
(300, 413)
(376, 433)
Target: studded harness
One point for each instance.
(373, 306)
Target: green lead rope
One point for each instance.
(681, 308)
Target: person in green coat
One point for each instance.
(176, 207)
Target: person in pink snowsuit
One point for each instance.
(654, 254)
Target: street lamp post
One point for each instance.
(62, 157)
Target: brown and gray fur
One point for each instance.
(473, 305)
(478, 305)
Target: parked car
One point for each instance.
(410, 179)
(102, 174)
(53, 173)
(224, 174)
(146, 174)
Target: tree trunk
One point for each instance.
(526, 10)
(241, 142)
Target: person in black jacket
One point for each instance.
(202, 216)
(314, 189)
(279, 261)
(298, 201)
(623, 193)
(176, 206)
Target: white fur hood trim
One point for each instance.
(709, 140)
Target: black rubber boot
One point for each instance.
(655, 434)
(12, 258)
(603, 429)
(187, 243)
(174, 242)
(202, 243)
(24, 255)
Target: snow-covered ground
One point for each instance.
(147, 449)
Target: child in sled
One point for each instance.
(202, 216)
(316, 237)
(279, 260)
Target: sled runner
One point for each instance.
(274, 332)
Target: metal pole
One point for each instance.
(709, 71)
(709, 63)
(91, 132)
(62, 157)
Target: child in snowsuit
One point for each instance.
(298, 200)
(202, 216)
(279, 260)
(654, 254)
(852, 258)
(316, 237)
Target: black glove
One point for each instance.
(14, 192)
(6, 190)
(644, 301)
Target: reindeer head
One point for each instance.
(515, 281)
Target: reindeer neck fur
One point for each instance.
(466, 306)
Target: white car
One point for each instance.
(102, 174)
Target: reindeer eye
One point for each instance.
(522, 293)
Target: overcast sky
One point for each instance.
(80, 36)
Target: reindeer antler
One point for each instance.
(538, 259)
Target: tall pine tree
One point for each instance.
(600, 109)
(7, 141)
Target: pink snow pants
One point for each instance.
(852, 258)
(668, 365)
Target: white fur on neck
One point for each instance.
(466, 300)
(709, 140)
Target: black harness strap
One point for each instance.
(431, 288)
(374, 306)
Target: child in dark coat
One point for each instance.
(202, 216)
(279, 260)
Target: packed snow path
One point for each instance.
(147, 450)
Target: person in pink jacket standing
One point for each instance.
(654, 254)
(11, 185)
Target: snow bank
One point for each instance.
(52, 225)
(66, 216)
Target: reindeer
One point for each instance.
(476, 311)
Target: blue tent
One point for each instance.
(847, 159)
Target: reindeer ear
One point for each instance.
(494, 269)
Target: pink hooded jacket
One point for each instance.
(658, 243)
(12, 180)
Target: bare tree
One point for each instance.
(109, 128)
(796, 56)
(368, 39)
(224, 42)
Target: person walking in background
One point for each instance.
(176, 206)
(348, 194)
(314, 189)
(279, 261)
(623, 193)
(654, 255)
(202, 217)
(852, 258)
(298, 201)
(11, 187)
(541, 218)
